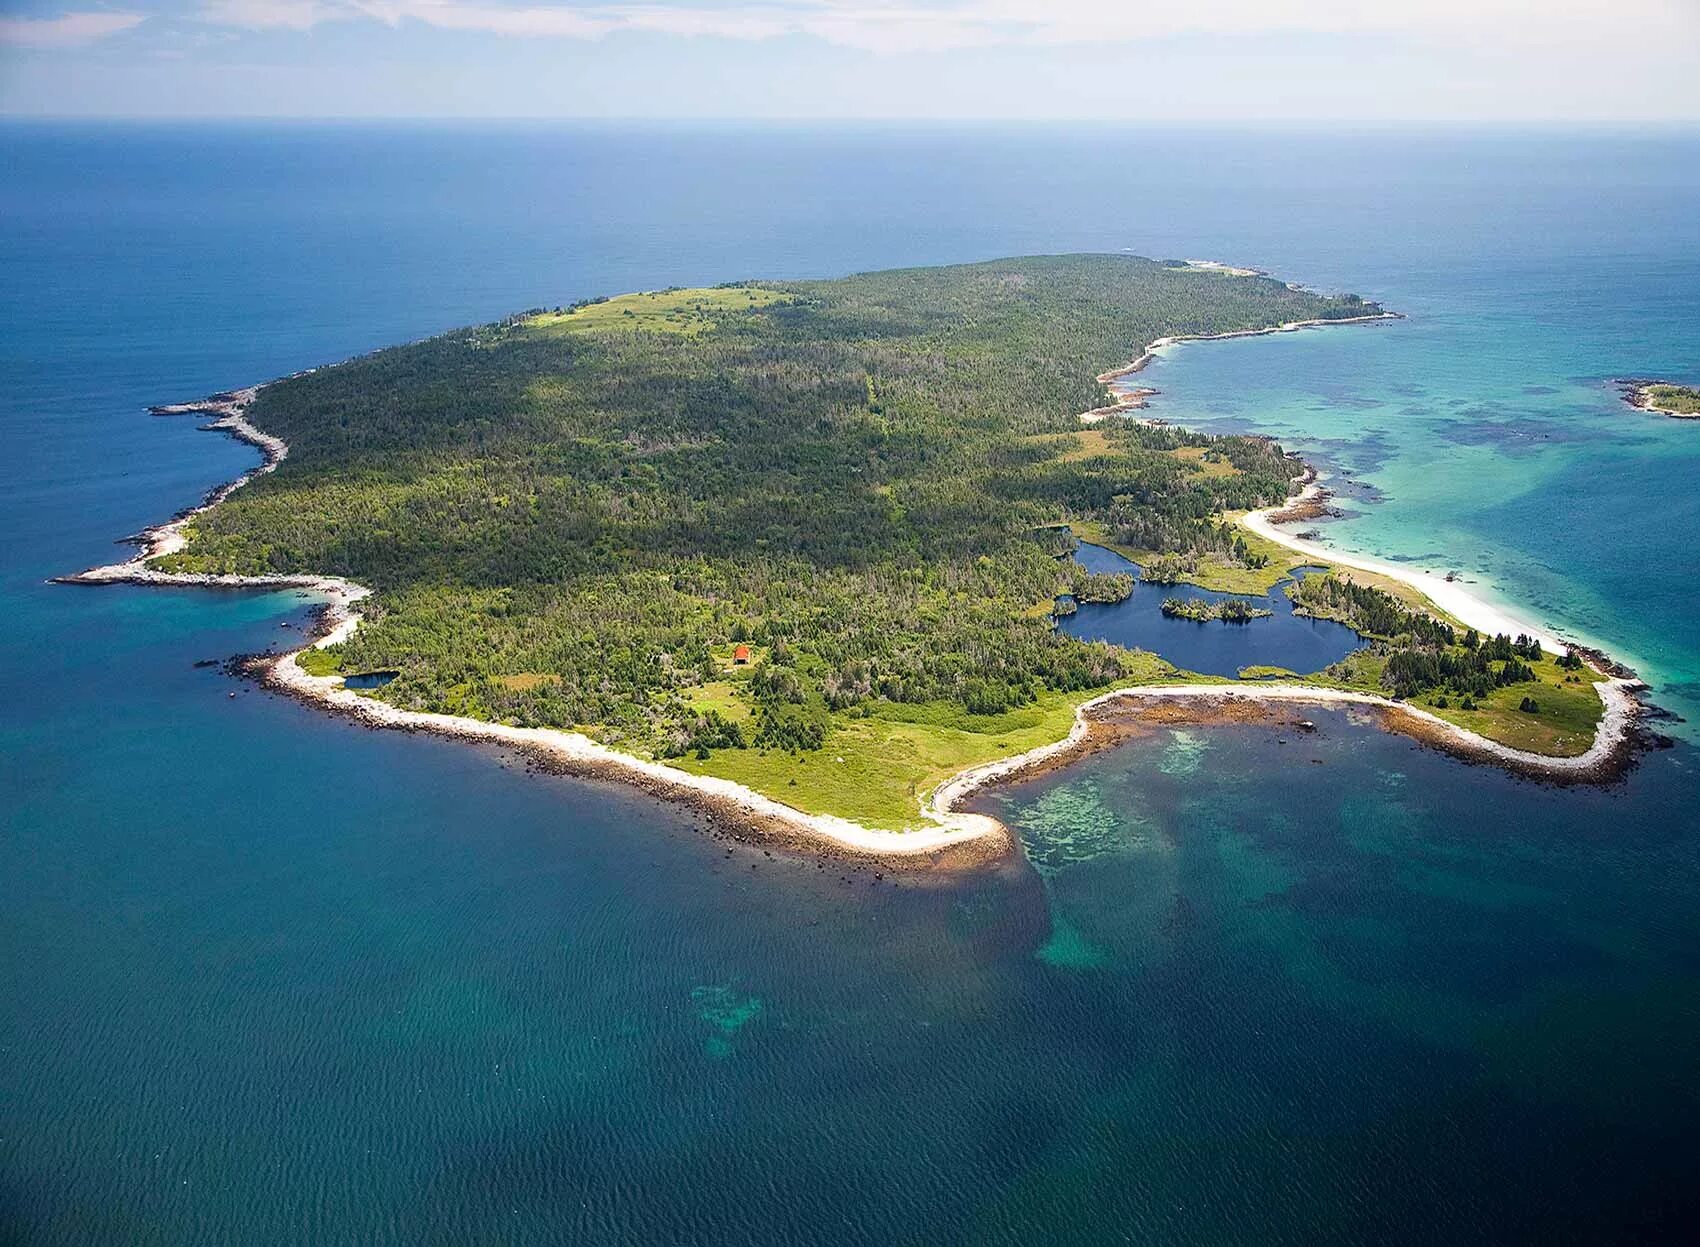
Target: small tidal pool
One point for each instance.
(369, 679)
(1284, 639)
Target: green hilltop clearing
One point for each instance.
(574, 517)
(687, 312)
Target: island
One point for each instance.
(792, 550)
(1199, 610)
(1665, 397)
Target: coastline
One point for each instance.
(577, 754)
(957, 838)
(1134, 397)
(1308, 502)
(231, 411)
(1611, 737)
(1450, 595)
(1638, 393)
(1204, 703)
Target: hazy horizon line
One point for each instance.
(1202, 123)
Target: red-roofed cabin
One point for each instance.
(741, 655)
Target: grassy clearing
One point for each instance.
(1195, 455)
(1086, 444)
(1096, 443)
(524, 681)
(878, 770)
(1564, 726)
(722, 697)
(684, 312)
(319, 662)
(726, 657)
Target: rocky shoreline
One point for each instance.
(1638, 393)
(1096, 721)
(1134, 398)
(720, 816)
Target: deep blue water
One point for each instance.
(1219, 647)
(271, 978)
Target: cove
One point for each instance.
(1284, 639)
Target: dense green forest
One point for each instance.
(570, 517)
(1423, 653)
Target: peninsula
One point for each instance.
(792, 549)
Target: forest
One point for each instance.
(570, 517)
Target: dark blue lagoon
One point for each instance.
(1284, 639)
(266, 977)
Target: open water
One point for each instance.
(268, 977)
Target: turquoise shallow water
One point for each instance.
(268, 978)
(1342, 966)
(1483, 437)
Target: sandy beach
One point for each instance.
(1450, 596)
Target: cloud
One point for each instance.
(274, 14)
(69, 30)
(556, 21)
(898, 26)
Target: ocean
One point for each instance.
(269, 977)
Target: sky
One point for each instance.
(1507, 61)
